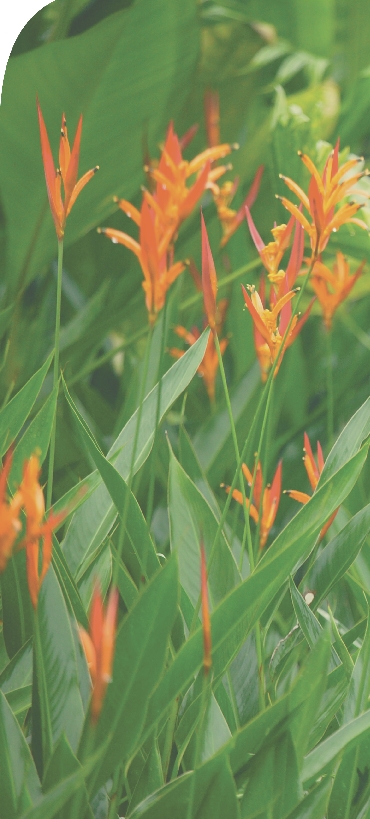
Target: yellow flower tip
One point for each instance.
(235, 146)
(300, 154)
(146, 168)
(62, 133)
(100, 230)
(277, 196)
(281, 176)
(97, 168)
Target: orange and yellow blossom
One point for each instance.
(270, 499)
(31, 497)
(223, 195)
(10, 524)
(151, 251)
(272, 253)
(333, 286)
(99, 645)
(209, 366)
(314, 469)
(172, 200)
(269, 330)
(67, 172)
(325, 192)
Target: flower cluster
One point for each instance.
(28, 498)
(314, 469)
(266, 499)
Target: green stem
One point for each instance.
(329, 390)
(56, 372)
(126, 505)
(157, 417)
(236, 447)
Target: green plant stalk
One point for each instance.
(170, 728)
(247, 537)
(46, 728)
(116, 789)
(329, 389)
(236, 446)
(153, 464)
(122, 530)
(49, 492)
(205, 699)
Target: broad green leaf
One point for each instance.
(62, 764)
(212, 442)
(56, 668)
(308, 622)
(20, 785)
(131, 62)
(47, 806)
(16, 412)
(336, 690)
(313, 806)
(17, 610)
(273, 781)
(19, 671)
(348, 443)
(334, 560)
(5, 318)
(345, 738)
(206, 793)
(92, 522)
(67, 584)
(139, 554)
(237, 614)
(151, 778)
(20, 700)
(35, 438)
(99, 569)
(192, 521)
(140, 653)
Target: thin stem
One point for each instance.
(157, 417)
(223, 282)
(56, 372)
(329, 390)
(126, 505)
(236, 447)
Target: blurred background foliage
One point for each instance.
(290, 75)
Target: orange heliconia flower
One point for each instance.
(173, 201)
(333, 286)
(270, 499)
(67, 172)
(151, 252)
(314, 470)
(272, 253)
(325, 191)
(99, 646)
(269, 330)
(206, 622)
(209, 366)
(32, 501)
(10, 524)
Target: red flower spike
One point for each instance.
(66, 173)
(209, 278)
(99, 646)
(206, 622)
(10, 524)
(208, 367)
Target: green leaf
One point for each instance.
(334, 560)
(314, 804)
(308, 622)
(237, 614)
(192, 521)
(273, 781)
(207, 793)
(35, 438)
(62, 764)
(17, 609)
(348, 443)
(20, 785)
(131, 62)
(92, 522)
(48, 805)
(19, 671)
(20, 700)
(16, 412)
(151, 777)
(346, 738)
(99, 569)
(56, 668)
(140, 653)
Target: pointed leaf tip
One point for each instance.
(209, 278)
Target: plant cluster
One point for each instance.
(179, 638)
